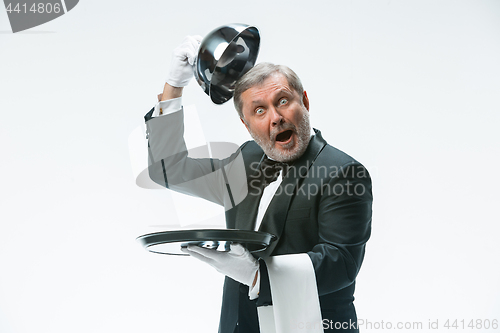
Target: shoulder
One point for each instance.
(251, 151)
(336, 156)
(336, 159)
(252, 155)
(332, 155)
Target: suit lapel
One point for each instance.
(275, 217)
(245, 213)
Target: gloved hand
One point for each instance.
(181, 66)
(238, 263)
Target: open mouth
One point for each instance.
(284, 136)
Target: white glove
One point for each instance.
(238, 263)
(183, 57)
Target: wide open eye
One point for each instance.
(283, 101)
(259, 111)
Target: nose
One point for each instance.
(276, 117)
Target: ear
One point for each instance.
(244, 123)
(305, 100)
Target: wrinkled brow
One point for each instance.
(283, 91)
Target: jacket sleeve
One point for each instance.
(170, 164)
(344, 224)
(265, 297)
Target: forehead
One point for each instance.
(274, 84)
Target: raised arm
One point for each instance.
(169, 161)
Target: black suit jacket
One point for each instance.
(322, 208)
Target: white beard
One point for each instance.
(303, 132)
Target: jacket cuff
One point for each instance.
(264, 298)
(149, 115)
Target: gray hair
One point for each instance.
(257, 75)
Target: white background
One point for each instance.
(409, 88)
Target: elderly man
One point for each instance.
(288, 182)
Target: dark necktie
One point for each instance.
(271, 170)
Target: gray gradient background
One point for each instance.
(409, 88)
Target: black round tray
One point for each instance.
(171, 242)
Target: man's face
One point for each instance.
(277, 118)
